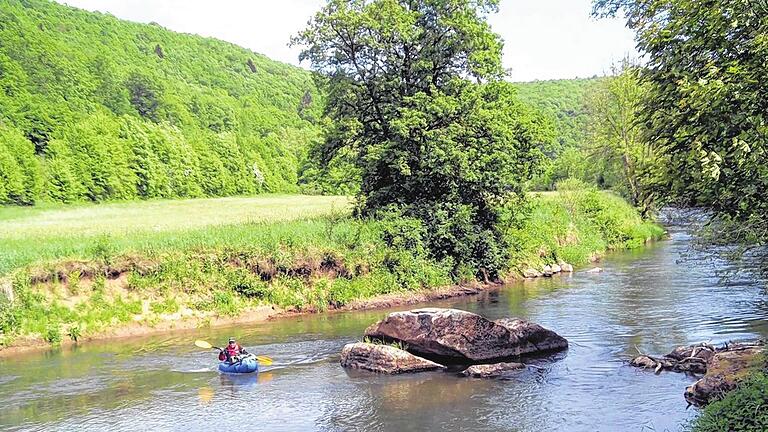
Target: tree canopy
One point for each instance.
(415, 94)
(707, 106)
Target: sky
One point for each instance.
(544, 39)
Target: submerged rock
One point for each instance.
(724, 371)
(384, 359)
(464, 337)
(594, 270)
(491, 370)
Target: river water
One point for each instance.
(650, 300)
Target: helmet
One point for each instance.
(231, 340)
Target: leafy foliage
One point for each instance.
(706, 104)
(617, 149)
(95, 108)
(564, 102)
(428, 142)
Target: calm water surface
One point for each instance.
(650, 300)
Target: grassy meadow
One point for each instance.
(79, 270)
(34, 234)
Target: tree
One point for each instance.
(707, 106)
(414, 93)
(616, 134)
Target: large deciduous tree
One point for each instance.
(707, 105)
(415, 93)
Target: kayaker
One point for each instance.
(232, 350)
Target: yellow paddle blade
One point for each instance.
(264, 360)
(203, 344)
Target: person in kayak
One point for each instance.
(232, 350)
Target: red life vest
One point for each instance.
(228, 352)
(233, 350)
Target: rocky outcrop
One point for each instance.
(492, 370)
(723, 367)
(456, 336)
(724, 371)
(384, 359)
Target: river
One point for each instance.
(652, 300)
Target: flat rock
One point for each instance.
(491, 370)
(384, 359)
(463, 337)
(724, 371)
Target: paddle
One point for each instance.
(264, 360)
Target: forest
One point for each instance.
(93, 108)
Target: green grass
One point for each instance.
(574, 224)
(79, 270)
(34, 234)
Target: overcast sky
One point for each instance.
(544, 39)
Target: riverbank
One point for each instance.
(100, 284)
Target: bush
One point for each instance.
(52, 333)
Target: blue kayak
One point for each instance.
(242, 366)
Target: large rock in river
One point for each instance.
(383, 359)
(464, 337)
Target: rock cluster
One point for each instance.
(434, 336)
(547, 270)
(722, 367)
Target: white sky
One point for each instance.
(544, 39)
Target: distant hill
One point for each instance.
(564, 101)
(97, 108)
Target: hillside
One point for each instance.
(96, 108)
(564, 101)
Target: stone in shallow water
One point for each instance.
(492, 370)
(464, 337)
(384, 359)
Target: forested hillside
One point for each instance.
(96, 108)
(566, 103)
